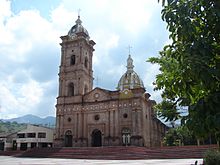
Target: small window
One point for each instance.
(125, 115)
(71, 89)
(21, 135)
(96, 117)
(73, 60)
(86, 62)
(68, 132)
(31, 135)
(41, 135)
(69, 119)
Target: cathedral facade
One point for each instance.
(87, 117)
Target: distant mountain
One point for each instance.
(32, 119)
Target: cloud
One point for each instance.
(62, 19)
(30, 50)
(108, 41)
(19, 98)
(30, 59)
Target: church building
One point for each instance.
(93, 117)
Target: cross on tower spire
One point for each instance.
(129, 49)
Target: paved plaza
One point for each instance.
(8, 160)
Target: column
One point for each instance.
(63, 86)
(138, 119)
(19, 146)
(63, 55)
(116, 124)
(80, 123)
(84, 125)
(57, 126)
(62, 125)
(77, 125)
(111, 123)
(133, 122)
(28, 145)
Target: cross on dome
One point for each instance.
(79, 10)
(78, 29)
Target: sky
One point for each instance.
(30, 49)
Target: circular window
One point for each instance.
(69, 119)
(125, 115)
(96, 117)
(96, 95)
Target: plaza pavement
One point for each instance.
(8, 160)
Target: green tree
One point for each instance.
(8, 127)
(190, 65)
(179, 136)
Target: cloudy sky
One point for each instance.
(30, 33)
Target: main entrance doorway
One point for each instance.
(2, 146)
(126, 136)
(68, 139)
(96, 138)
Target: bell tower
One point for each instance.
(76, 75)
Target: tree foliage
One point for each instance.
(11, 127)
(179, 136)
(190, 65)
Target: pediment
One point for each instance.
(97, 94)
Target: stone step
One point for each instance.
(130, 152)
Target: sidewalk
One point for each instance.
(8, 160)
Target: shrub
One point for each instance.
(212, 157)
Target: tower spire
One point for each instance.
(78, 21)
(130, 65)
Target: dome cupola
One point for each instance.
(77, 29)
(130, 79)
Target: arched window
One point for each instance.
(73, 60)
(68, 132)
(86, 62)
(71, 89)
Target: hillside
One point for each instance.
(32, 119)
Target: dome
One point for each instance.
(77, 28)
(130, 79)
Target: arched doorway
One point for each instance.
(126, 136)
(96, 138)
(68, 139)
(2, 145)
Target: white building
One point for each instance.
(34, 136)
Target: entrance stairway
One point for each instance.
(117, 153)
